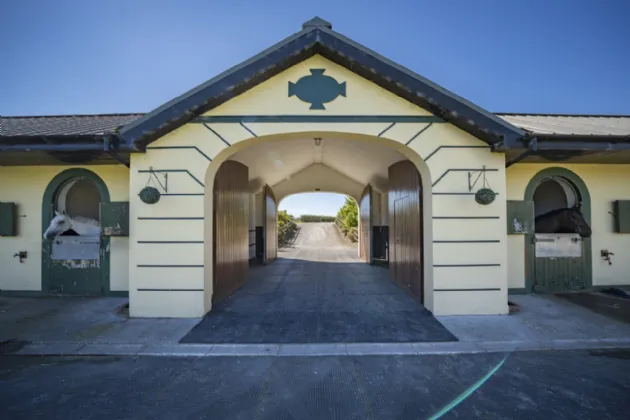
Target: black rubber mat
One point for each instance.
(296, 301)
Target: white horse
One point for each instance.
(81, 225)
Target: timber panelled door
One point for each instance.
(365, 213)
(231, 229)
(78, 220)
(405, 227)
(560, 246)
(271, 225)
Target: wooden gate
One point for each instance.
(365, 213)
(559, 263)
(73, 264)
(271, 225)
(405, 227)
(231, 229)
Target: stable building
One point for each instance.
(465, 205)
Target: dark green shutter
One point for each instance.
(8, 219)
(622, 216)
(520, 217)
(115, 218)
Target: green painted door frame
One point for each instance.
(530, 245)
(50, 194)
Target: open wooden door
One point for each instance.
(365, 214)
(231, 229)
(271, 225)
(405, 227)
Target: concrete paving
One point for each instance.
(541, 318)
(522, 385)
(95, 326)
(83, 320)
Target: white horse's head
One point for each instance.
(58, 225)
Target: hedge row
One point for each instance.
(310, 218)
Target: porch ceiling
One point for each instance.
(272, 163)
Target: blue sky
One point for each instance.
(81, 57)
(320, 203)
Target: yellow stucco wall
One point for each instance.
(448, 205)
(605, 183)
(25, 185)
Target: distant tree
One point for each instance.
(348, 214)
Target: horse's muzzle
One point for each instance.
(49, 235)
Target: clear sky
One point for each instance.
(82, 57)
(318, 203)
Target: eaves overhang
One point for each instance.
(317, 37)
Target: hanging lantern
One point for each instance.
(149, 195)
(485, 196)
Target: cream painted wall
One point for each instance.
(605, 183)
(318, 176)
(472, 266)
(25, 185)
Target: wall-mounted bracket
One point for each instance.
(479, 173)
(153, 174)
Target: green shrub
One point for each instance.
(286, 226)
(349, 214)
(349, 217)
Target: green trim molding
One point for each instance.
(585, 198)
(47, 215)
(227, 119)
(23, 293)
(40, 294)
(517, 291)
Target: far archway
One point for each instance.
(320, 220)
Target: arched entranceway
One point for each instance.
(558, 256)
(72, 263)
(370, 161)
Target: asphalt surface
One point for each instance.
(531, 385)
(318, 291)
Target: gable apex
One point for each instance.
(316, 37)
(316, 22)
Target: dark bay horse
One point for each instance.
(567, 220)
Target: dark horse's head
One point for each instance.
(568, 220)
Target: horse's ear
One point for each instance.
(57, 213)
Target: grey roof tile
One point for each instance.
(597, 125)
(72, 125)
(64, 125)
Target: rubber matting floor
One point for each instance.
(298, 301)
